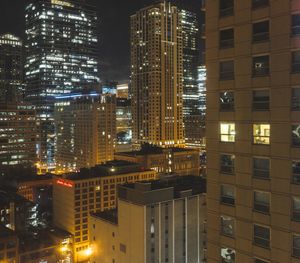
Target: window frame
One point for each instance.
(256, 37)
(226, 75)
(259, 173)
(226, 199)
(295, 102)
(225, 171)
(260, 4)
(263, 71)
(263, 105)
(296, 255)
(256, 142)
(229, 135)
(295, 28)
(226, 43)
(295, 145)
(295, 212)
(295, 64)
(226, 106)
(295, 175)
(222, 226)
(261, 207)
(224, 12)
(255, 238)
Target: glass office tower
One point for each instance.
(61, 57)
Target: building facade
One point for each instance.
(61, 57)
(18, 137)
(11, 68)
(252, 59)
(85, 130)
(157, 76)
(75, 196)
(172, 160)
(167, 226)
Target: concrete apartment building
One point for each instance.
(76, 195)
(253, 123)
(159, 221)
(181, 161)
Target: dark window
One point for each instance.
(296, 172)
(260, 66)
(123, 248)
(11, 254)
(11, 244)
(296, 135)
(227, 101)
(259, 3)
(296, 246)
(227, 255)
(261, 167)
(261, 99)
(296, 62)
(227, 194)
(257, 260)
(226, 70)
(226, 7)
(295, 98)
(227, 38)
(227, 163)
(260, 31)
(261, 202)
(296, 208)
(227, 226)
(261, 236)
(296, 24)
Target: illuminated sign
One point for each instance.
(62, 3)
(64, 183)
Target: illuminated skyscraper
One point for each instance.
(85, 130)
(191, 94)
(11, 67)
(61, 44)
(157, 75)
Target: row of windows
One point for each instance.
(260, 32)
(261, 238)
(260, 133)
(260, 66)
(261, 201)
(260, 167)
(260, 100)
(226, 7)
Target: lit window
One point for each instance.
(227, 101)
(260, 66)
(228, 255)
(227, 195)
(227, 226)
(261, 133)
(296, 24)
(296, 208)
(261, 201)
(261, 167)
(261, 100)
(227, 131)
(296, 62)
(227, 163)
(296, 135)
(261, 236)
(260, 31)
(296, 172)
(296, 246)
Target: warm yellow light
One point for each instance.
(88, 251)
(63, 249)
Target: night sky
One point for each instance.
(114, 49)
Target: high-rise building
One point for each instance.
(253, 123)
(157, 76)
(85, 130)
(158, 221)
(18, 137)
(77, 195)
(202, 89)
(11, 68)
(61, 57)
(191, 93)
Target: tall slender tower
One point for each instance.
(253, 124)
(61, 57)
(157, 76)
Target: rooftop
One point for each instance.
(110, 168)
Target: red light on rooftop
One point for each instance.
(64, 183)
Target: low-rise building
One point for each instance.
(158, 221)
(182, 161)
(9, 245)
(76, 195)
